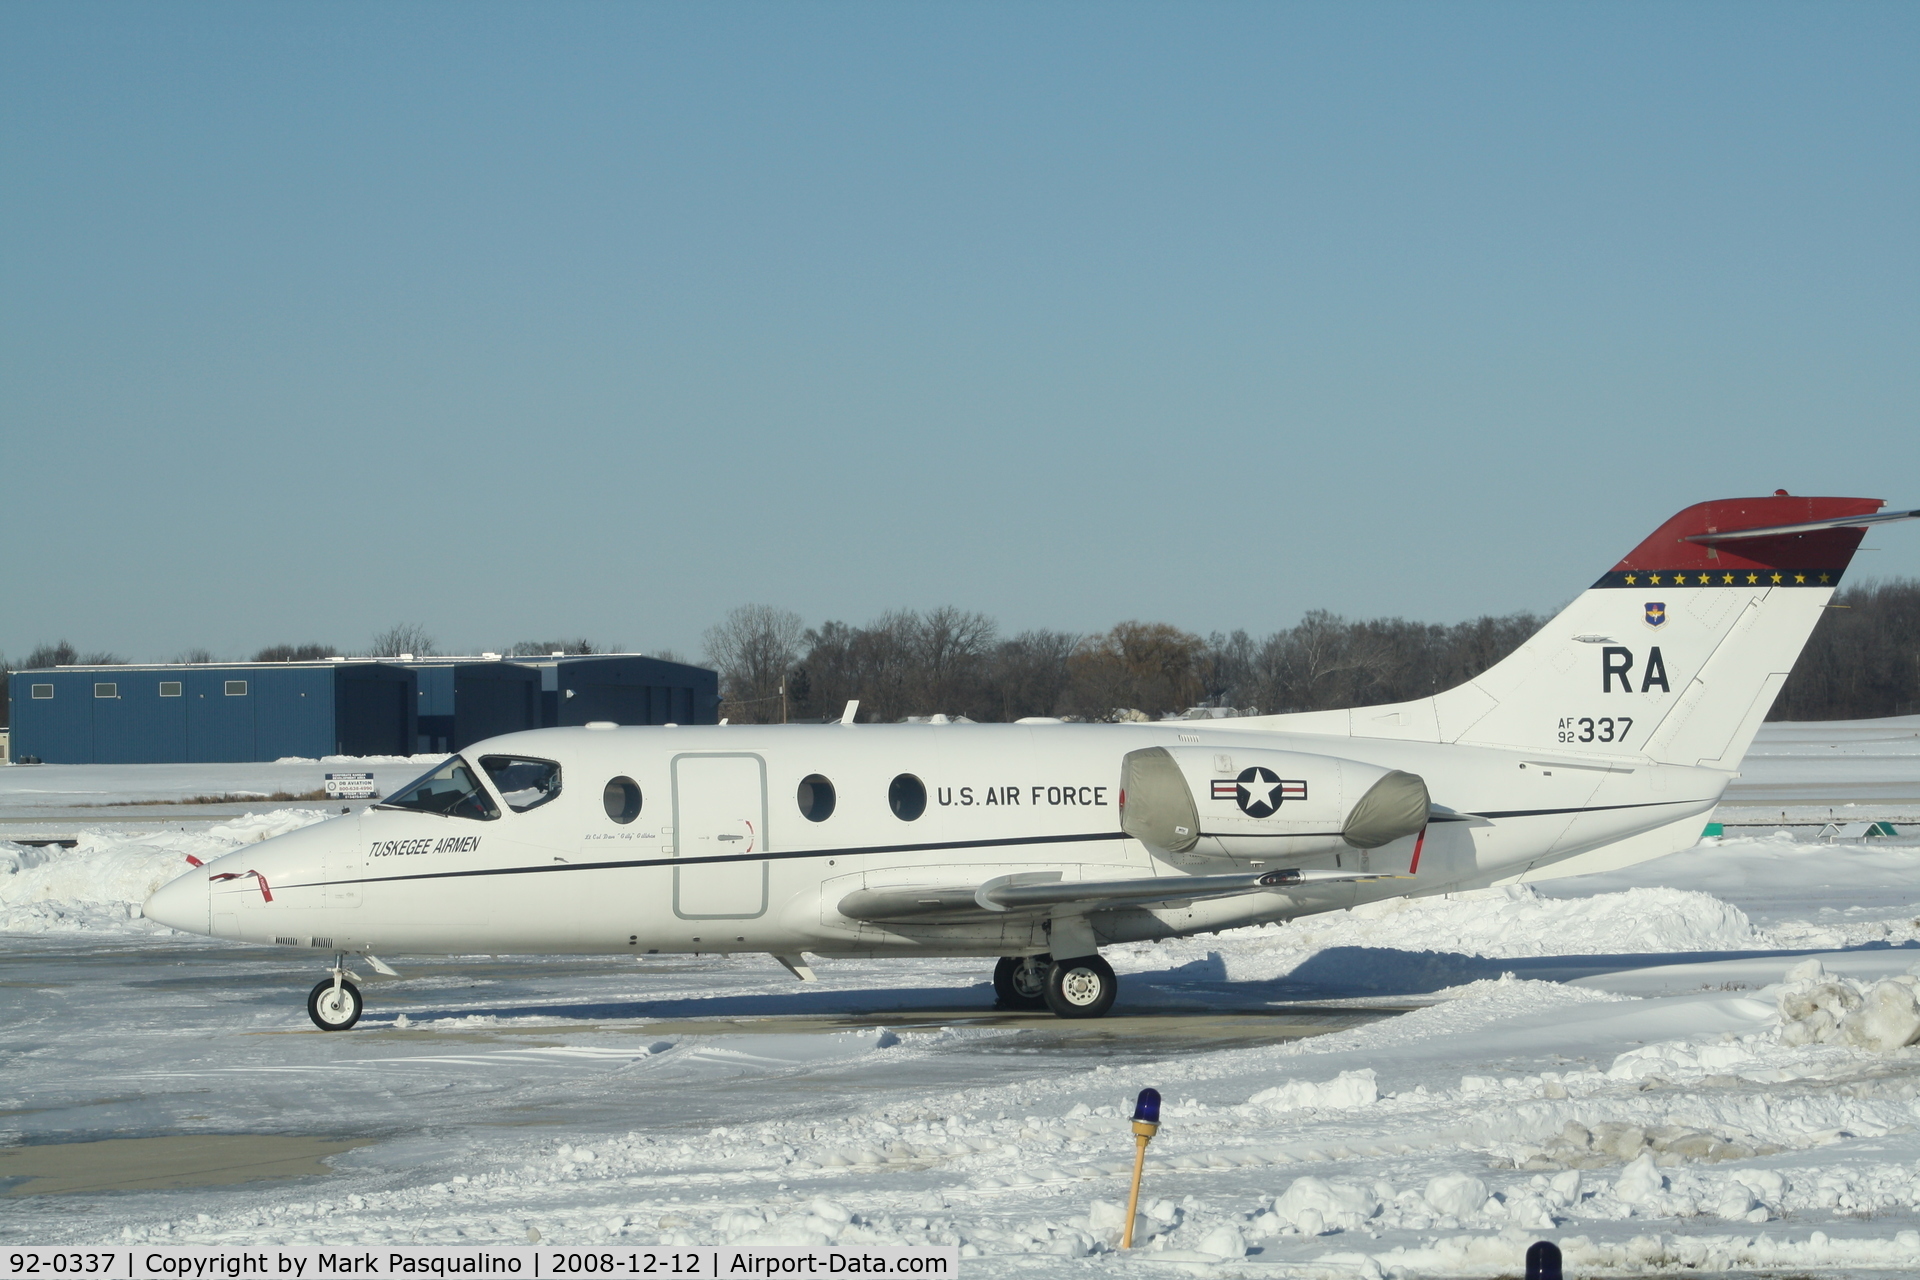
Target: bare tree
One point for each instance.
(1863, 659)
(295, 653)
(952, 648)
(1030, 674)
(50, 655)
(403, 637)
(1148, 666)
(190, 657)
(543, 648)
(753, 649)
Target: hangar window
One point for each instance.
(815, 798)
(449, 789)
(907, 797)
(43, 691)
(523, 784)
(106, 691)
(236, 688)
(169, 688)
(622, 799)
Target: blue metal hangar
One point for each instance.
(219, 712)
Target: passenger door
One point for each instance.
(719, 811)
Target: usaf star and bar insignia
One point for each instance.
(1259, 792)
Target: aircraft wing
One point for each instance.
(1030, 892)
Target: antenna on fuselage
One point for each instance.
(846, 717)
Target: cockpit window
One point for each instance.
(449, 789)
(523, 784)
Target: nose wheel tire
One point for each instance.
(334, 1010)
(1081, 988)
(1020, 982)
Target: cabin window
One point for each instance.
(448, 789)
(236, 688)
(815, 798)
(524, 784)
(43, 691)
(170, 688)
(622, 799)
(907, 797)
(106, 691)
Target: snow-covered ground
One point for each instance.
(27, 788)
(1850, 766)
(1600, 1061)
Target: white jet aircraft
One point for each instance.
(1602, 741)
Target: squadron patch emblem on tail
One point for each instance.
(1656, 614)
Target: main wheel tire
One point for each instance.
(1020, 982)
(1081, 988)
(331, 1012)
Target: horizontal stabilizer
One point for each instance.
(1808, 526)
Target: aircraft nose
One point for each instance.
(185, 903)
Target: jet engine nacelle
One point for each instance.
(1195, 804)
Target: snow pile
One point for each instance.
(1312, 1206)
(1456, 1195)
(1348, 1089)
(101, 882)
(1516, 921)
(1414, 943)
(1818, 1009)
(1611, 1142)
(1640, 1255)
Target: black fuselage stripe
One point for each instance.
(1492, 813)
(940, 846)
(935, 847)
(1596, 808)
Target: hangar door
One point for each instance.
(719, 812)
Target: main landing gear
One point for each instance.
(1083, 987)
(1020, 982)
(335, 1004)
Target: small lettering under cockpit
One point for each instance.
(426, 844)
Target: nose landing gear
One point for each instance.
(335, 1004)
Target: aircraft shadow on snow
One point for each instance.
(1200, 987)
(1382, 971)
(964, 1001)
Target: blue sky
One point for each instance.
(527, 320)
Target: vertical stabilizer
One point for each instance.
(1675, 654)
(1677, 651)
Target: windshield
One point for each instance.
(449, 789)
(523, 784)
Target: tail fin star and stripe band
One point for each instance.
(1643, 578)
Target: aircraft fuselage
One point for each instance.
(721, 857)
